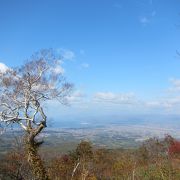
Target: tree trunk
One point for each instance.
(34, 158)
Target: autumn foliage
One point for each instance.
(174, 148)
(154, 159)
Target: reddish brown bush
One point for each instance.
(174, 148)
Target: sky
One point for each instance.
(121, 55)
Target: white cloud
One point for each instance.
(153, 104)
(66, 54)
(165, 103)
(3, 68)
(57, 67)
(85, 65)
(111, 102)
(115, 98)
(170, 101)
(144, 20)
(59, 70)
(175, 85)
(76, 97)
(147, 18)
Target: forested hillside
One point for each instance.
(154, 159)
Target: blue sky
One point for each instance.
(120, 54)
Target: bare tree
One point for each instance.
(23, 92)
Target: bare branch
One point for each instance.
(23, 91)
(22, 125)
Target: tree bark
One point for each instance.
(34, 159)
